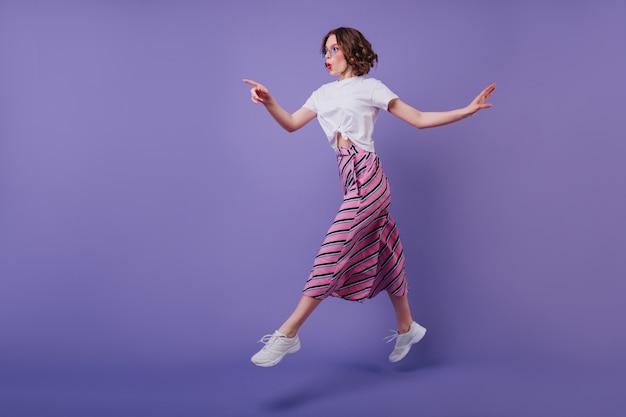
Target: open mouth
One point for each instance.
(328, 66)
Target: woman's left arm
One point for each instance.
(422, 120)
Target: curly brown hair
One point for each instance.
(356, 49)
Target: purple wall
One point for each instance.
(150, 213)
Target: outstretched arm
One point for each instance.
(422, 120)
(289, 122)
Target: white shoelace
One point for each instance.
(391, 337)
(269, 339)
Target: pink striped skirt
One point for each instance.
(361, 254)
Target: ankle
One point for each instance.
(404, 327)
(290, 333)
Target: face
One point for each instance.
(335, 61)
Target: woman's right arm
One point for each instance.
(289, 122)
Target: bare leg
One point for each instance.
(409, 332)
(303, 310)
(403, 312)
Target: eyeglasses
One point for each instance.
(332, 51)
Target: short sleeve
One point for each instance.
(382, 95)
(311, 102)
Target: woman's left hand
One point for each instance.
(479, 102)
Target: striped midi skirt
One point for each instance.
(361, 254)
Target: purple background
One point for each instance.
(154, 223)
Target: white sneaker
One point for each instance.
(404, 341)
(277, 345)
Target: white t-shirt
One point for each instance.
(350, 107)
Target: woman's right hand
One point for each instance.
(258, 93)
(289, 122)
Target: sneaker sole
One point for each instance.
(294, 349)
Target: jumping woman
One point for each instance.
(361, 255)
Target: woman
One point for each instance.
(362, 254)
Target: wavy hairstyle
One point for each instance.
(356, 49)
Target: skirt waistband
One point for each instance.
(350, 150)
